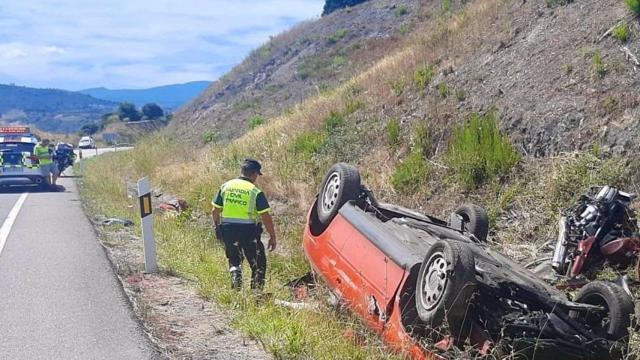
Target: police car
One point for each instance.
(18, 164)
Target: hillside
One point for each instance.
(50, 109)
(516, 106)
(169, 97)
(309, 59)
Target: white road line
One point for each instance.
(11, 218)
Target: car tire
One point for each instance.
(341, 184)
(475, 220)
(619, 305)
(445, 285)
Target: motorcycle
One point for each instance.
(600, 227)
(64, 156)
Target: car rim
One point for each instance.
(435, 281)
(331, 191)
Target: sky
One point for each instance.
(79, 44)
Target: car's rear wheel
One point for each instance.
(341, 184)
(446, 282)
(612, 323)
(475, 220)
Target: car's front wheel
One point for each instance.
(341, 184)
(446, 282)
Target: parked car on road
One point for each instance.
(87, 142)
(428, 285)
(18, 164)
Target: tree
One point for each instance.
(333, 5)
(127, 110)
(89, 129)
(152, 111)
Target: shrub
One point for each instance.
(339, 60)
(443, 89)
(308, 144)
(479, 151)
(621, 32)
(393, 133)
(412, 174)
(333, 121)
(402, 10)
(609, 104)
(403, 29)
(460, 95)
(446, 5)
(337, 36)
(599, 68)
(256, 121)
(209, 137)
(568, 68)
(633, 5)
(423, 76)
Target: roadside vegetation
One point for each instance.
(424, 163)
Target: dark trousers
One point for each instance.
(243, 241)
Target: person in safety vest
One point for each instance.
(45, 156)
(239, 210)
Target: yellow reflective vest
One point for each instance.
(239, 202)
(43, 154)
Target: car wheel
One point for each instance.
(475, 220)
(341, 184)
(612, 323)
(446, 282)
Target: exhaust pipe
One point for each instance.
(560, 252)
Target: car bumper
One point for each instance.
(21, 176)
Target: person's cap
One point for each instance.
(251, 165)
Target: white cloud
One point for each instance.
(135, 43)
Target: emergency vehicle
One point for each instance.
(18, 164)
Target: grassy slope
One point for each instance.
(344, 124)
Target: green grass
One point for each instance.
(393, 134)
(411, 175)
(443, 89)
(308, 144)
(446, 5)
(421, 138)
(209, 137)
(633, 6)
(423, 76)
(599, 67)
(621, 32)
(339, 60)
(460, 95)
(397, 86)
(256, 121)
(479, 151)
(333, 122)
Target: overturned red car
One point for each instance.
(427, 285)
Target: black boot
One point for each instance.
(236, 277)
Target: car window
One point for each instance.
(16, 147)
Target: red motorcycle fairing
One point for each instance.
(584, 248)
(621, 251)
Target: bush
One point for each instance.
(256, 121)
(209, 137)
(308, 144)
(397, 87)
(337, 36)
(393, 133)
(423, 76)
(460, 95)
(633, 5)
(352, 106)
(333, 121)
(621, 32)
(599, 68)
(479, 151)
(402, 10)
(412, 174)
(446, 5)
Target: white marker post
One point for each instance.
(144, 195)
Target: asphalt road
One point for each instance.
(59, 298)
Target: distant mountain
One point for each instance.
(50, 109)
(169, 96)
